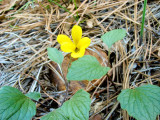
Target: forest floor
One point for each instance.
(28, 27)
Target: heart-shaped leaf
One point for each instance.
(34, 95)
(86, 68)
(57, 114)
(77, 108)
(15, 105)
(143, 103)
(55, 55)
(113, 36)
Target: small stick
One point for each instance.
(114, 107)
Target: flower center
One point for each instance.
(77, 50)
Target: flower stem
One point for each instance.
(66, 82)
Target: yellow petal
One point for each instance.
(63, 39)
(76, 34)
(68, 47)
(84, 43)
(78, 54)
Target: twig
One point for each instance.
(114, 107)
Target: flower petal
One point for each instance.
(84, 43)
(68, 47)
(63, 39)
(76, 34)
(78, 54)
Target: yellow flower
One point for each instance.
(79, 44)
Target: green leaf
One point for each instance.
(55, 55)
(113, 36)
(77, 108)
(34, 95)
(86, 68)
(57, 114)
(15, 105)
(143, 103)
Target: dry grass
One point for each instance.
(30, 27)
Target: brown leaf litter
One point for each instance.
(27, 28)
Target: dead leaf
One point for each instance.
(98, 106)
(97, 117)
(67, 25)
(2, 17)
(89, 23)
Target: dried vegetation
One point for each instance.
(28, 27)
